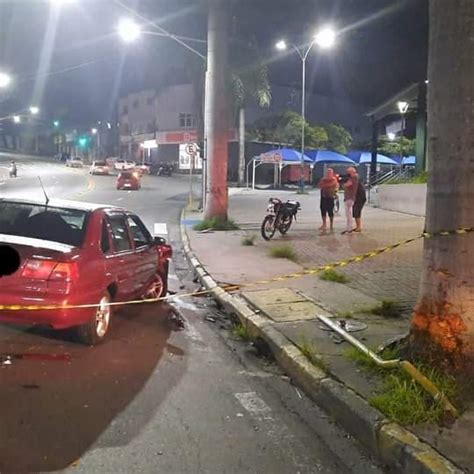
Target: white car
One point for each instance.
(75, 163)
(122, 165)
(99, 167)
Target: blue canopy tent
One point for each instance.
(365, 157)
(281, 157)
(326, 156)
(409, 160)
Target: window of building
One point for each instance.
(125, 110)
(136, 103)
(186, 121)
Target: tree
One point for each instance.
(443, 320)
(249, 82)
(393, 147)
(339, 139)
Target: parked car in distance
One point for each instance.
(77, 253)
(129, 180)
(143, 168)
(75, 163)
(99, 167)
(122, 165)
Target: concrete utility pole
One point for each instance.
(216, 113)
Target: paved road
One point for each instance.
(152, 398)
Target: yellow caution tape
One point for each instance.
(230, 288)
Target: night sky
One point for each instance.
(382, 49)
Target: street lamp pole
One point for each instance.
(402, 107)
(324, 39)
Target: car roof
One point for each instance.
(64, 204)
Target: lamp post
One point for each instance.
(403, 108)
(5, 80)
(325, 39)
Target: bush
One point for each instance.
(333, 275)
(248, 240)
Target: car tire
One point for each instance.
(158, 288)
(95, 331)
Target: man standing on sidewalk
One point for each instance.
(350, 191)
(328, 187)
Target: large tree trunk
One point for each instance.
(241, 147)
(217, 110)
(443, 322)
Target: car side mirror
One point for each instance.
(159, 241)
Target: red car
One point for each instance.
(75, 253)
(129, 180)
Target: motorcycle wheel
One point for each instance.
(285, 225)
(268, 227)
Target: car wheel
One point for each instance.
(158, 288)
(96, 330)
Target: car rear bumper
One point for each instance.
(56, 318)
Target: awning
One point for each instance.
(326, 156)
(283, 155)
(409, 160)
(364, 157)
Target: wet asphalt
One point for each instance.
(154, 398)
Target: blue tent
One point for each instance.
(288, 155)
(364, 157)
(409, 160)
(326, 156)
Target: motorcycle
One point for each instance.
(279, 217)
(165, 170)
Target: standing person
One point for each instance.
(350, 192)
(329, 187)
(359, 203)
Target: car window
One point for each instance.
(120, 233)
(140, 234)
(104, 238)
(66, 226)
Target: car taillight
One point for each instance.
(50, 270)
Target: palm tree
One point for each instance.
(443, 321)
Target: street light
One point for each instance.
(34, 110)
(94, 131)
(391, 136)
(5, 80)
(325, 39)
(56, 123)
(16, 119)
(403, 108)
(129, 30)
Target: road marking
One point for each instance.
(119, 199)
(160, 228)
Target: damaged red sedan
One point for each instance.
(75, 253)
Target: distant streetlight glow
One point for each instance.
(16, 119)
(56, 123)
(391, 136)
(62, 2)
(281, 45)
(109, 126)
(326, 38)
(129, 30)
(34, 110)
(5, 80)
(94, 131)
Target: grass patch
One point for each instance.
(401, 398)
(242, 331)
(216, 224)
(421, 178)
(310, 353)
(333, 275)
(283, 251)
(248, 240)
(387, 309)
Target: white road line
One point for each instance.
(254, 405)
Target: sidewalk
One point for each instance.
(289, 307)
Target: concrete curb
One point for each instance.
(392, 444)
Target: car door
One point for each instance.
(122, 261)
(145, 252)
